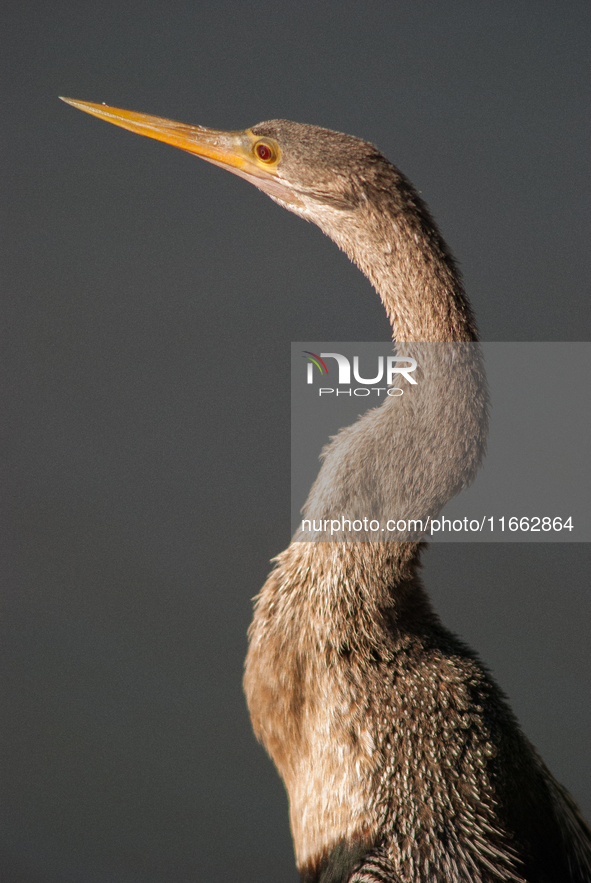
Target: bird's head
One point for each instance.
(309, 170)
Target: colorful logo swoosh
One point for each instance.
(316, 360)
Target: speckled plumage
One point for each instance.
(400, 755)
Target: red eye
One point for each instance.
(264, 152)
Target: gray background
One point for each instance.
(149, 302)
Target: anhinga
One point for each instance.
(401, 757)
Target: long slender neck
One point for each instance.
(407, 458)
(395, 242)
(404, 459)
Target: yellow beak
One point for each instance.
(223, 148)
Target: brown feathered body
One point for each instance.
(400, 755)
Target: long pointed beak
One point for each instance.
(228, 149)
